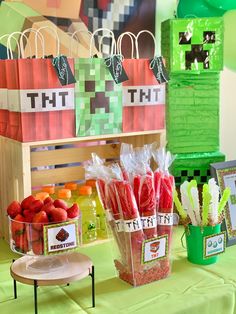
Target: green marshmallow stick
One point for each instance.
(223, 200)
(206, 199)
(179, 206)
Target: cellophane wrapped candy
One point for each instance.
(131, 198)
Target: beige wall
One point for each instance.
(228, 114)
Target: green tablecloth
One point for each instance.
(191, 289)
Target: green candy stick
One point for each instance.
(223, 200)
(179, 206)
(206, 199)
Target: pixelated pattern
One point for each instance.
(98, 99)
(194, 166)
(201, 176)
(193, 44)
(115, 17)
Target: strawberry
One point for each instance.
(32, 234)
(48, 200)
(39, 220)
(21, 243)
(38, 247)
(14, 209)
(28, 214)
(60, 204)
(58, 215)
(17, 225)
(36, 206)
(48, 208)
(27, 201)
(73, 211)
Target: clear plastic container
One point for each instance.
(30, 238)
(102, 231)
(88, 210)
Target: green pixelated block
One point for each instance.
(194, 166)
(193, 44)
(13, 16)
(192, 112)
(98, 99)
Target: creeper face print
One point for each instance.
(98, 99)
(196, 44)
(197, 54)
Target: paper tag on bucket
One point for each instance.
(214, 244)
(154, 249)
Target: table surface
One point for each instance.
(51, 270)
(190, 289)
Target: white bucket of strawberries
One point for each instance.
(43, 226)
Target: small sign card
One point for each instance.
(154, 249)
(60, 238)
(63, 70)
(214, 244)
(114, 64)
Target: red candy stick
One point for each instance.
(132, 225)
(147, 206)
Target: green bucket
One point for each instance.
(195, 243)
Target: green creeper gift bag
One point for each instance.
(98, 99)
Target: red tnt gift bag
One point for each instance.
(143, 96)
(40, 107)
(3, 96)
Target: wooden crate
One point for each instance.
(19, 161)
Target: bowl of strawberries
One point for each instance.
(44, 226)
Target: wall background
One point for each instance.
(228, 114)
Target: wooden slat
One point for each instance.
(142, 139)
(15, 176)
(58, 175)
(91, 138)
(72, 155)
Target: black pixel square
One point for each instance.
(196, 173)
(185, 38)
(204, 179)
(184, 173)
(209, 37)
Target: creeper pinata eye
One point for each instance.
(185, 38)
(209, 37)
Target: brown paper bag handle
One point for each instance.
(41, 38)
(9, 47)
(54, 32)
(132, 39)
(92, 41)
(100, 43)
(73, 35)
(137, 42)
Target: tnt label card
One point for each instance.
(214, 244)
(154, 249)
